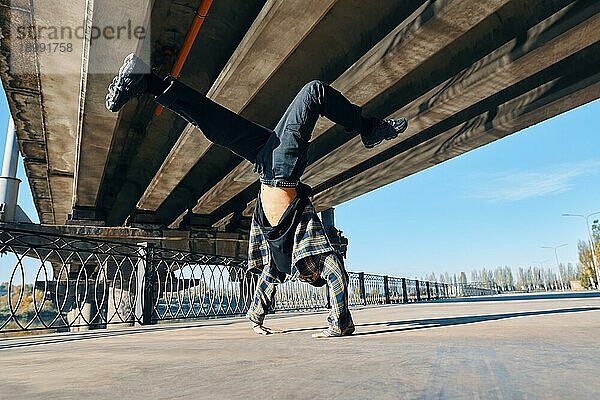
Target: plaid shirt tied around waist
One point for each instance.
(309, 240)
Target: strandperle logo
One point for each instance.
(71, 38)
(127, 31)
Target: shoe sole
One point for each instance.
(394, 136)
(128, 64)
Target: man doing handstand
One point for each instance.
(286, 236)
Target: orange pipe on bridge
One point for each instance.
(190, 38)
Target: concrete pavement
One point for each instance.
(504, 347)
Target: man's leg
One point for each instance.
(339, 319)
(264, 296)
(283, 159)
(287, 152)
(219, 125)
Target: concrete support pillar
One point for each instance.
(146, 287)
(120, 308)
(80, 316)
(9, 183)
(328, 218)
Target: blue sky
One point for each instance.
(491, 207)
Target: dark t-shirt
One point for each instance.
(280, 237)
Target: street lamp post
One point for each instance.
(562, 283)
(591, 239)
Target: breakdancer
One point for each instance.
(287, 237)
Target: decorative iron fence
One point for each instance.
(54, 283)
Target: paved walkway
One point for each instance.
(505, 347)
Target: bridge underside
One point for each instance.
(464, 73)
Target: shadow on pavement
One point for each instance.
(406, 325)
(523, 297)
(470, 319)
(13, 342)
(439, 322)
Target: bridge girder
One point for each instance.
(465, 73)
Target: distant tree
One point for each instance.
(596, 241)
(549, 279)
(537, 277)
(596, 237)
(499, 278)
(588, 276)
(521, 279)
(447, 278)
(484, 278)
(583, 277)
(562, 274)
(463, 278)
(509, 278)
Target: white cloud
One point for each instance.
(514, 185)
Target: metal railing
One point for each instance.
(53, 283)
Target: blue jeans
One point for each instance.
(280, 155)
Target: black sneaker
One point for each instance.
(129, 83)
(383, 130)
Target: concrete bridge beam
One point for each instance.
(550, 98)
(100, 62)
(548, 42)
(402, 50)
(555, 38)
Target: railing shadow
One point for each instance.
(427, 323)
(470, 319)
(29, 341)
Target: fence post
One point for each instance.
(144, 299)
(404, 291)
(150, 283)
(140, 271)
(428, 291)
(418, 285)
(386, 288)
(361, 286)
